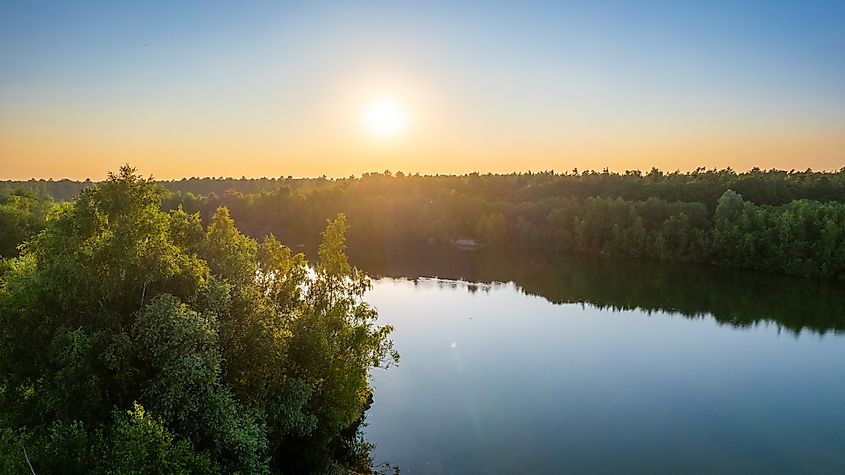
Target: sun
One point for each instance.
(384, 117)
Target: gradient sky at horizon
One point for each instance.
(217, 88)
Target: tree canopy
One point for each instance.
(135, 340)
(790, 222)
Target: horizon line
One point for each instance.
(575, 171)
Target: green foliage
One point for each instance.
(230, 254)
(142, 445)
(117, 303)
(493, 228)
(12, 446)
(335, 338)
(70, 448)
(22, 214)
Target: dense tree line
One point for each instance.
(58, 190)
(677, 219)
(790, 222)
(137, 340)
(22, 214)
(764, 187)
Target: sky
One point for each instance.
(225, 88)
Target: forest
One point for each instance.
(778, 221)
(137, 340)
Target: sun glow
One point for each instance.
(384, 117)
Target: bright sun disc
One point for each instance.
(385, 118)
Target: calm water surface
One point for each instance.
(589, 366)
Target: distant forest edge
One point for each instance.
(771, 220)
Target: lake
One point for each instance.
(530, 363)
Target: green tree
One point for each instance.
(22, 214)
(233, 345)
(142, 445)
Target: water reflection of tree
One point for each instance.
(736, 298)
(349, 453)
(354, 453)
